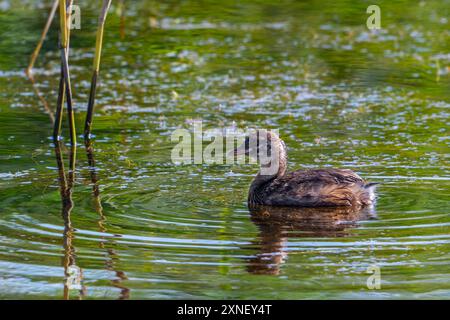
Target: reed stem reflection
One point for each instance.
(113, 257)
(73, 275)
(278, 224)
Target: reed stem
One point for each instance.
(70, 113)
(98, 51)
(59, 108)
(34, 55)
(65, 10)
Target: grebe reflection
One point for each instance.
(278, 224)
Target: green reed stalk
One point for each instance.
(98, 51)
(59, 108)
(64, 83)
(65, 64)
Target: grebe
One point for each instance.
(303, 188)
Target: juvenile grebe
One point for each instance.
(302, 188)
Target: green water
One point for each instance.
(341, 96)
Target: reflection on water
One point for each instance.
(278, 224)
(73, 274)
(135, 225)
(112, 255)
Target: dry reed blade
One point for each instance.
(34, 55)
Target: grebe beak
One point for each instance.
(238, 151)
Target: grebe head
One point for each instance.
(267, 148)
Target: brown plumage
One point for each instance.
(302, 188)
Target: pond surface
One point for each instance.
(142, 227)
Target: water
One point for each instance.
(143, 227)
